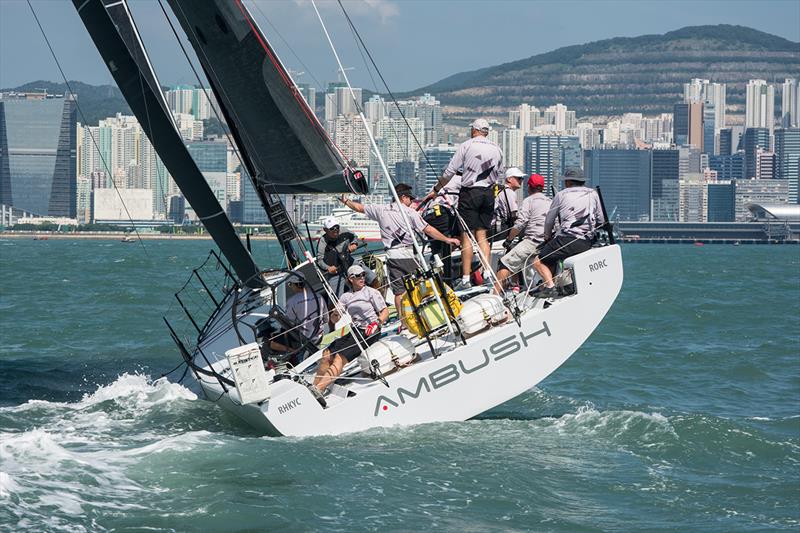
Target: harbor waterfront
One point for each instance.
(680, 412)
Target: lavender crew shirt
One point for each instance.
(578, 211)
(394, 232)
(531, 217)
(481, 161)
(363, 305)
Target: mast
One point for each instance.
(111, 27)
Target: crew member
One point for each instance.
(307, 315)
(529, 224)
(440, 213)
(396, 236)
(334, 254)
(368, 310)
(505, 204)
(482, 163)
(579, 214)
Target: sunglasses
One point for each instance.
(358, 276)
(334, 228)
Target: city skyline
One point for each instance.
(383, 25)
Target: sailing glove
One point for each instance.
(372, 329)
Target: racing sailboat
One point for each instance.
(464, 357)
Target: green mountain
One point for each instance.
(638, 74)
(96, 102)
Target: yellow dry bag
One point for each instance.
(429, 311)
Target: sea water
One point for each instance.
(681, 412)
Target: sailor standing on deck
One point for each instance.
(579, 214)
(529, 224)
(397, 239)
(441, 214)
(482, 163)
(505, 204)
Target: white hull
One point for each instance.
(494, 366)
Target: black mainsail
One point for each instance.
(285, 147)
(114, 34)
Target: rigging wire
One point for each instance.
(83, 116)
(385, 84)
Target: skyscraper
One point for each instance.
(709, 93)
(709, 128)
(753, 140)
(38, 150)
(544, 154)
(625, 179)
(760, 105)
(433, 162)
(696, 129)
(726, 141)
(787, 152)
(665, 185)
(680, 124)
(790, 104)
(212, 160)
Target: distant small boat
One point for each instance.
(736, 243)
(698, 243)
(40, 237)
(128, 238)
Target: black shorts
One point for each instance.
(441, 219)
(476, 207)
(398, 269)
(347, 347)
(560, 247)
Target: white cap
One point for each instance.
(480, 124)
(329, 222)
(514, 172)
(355, 270)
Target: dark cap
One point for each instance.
(404, 189)
(573, 174)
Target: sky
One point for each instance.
(414, 42)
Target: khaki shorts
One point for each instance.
(515, 259)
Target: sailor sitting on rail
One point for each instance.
(334, 254)
(530, 224)
(368, 310)
(579, 213)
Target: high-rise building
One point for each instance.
(728, 167)
(525, 118)
(680, 124)
(309, 94)
(753, 140)
(709, 128)
(790, 104)
(189, 100)
(560, 117)
(708, 93)
(433, 162)
(765, 165)
(406, 172)
(375, 108)
(38, 151)
(664, 188)
(696, 128)
(787, 152)
(760, 105)
(512, 144)
(352, 138)
(212, 161)
(252, 210)
(726, 141)
(625, 179)
(720, 201)
(400, 139)
(544, 154)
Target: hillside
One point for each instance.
(637, 74)
(96, 101)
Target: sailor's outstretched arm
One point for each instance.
(352, 204)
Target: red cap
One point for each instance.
(536, 180)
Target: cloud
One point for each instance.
(386, 10)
